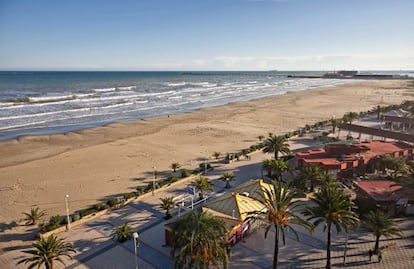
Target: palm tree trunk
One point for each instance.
(376, 247)
(312, 187)
(328, 248)
(276, 155)
(276, 250)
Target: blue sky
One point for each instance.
(206, 34)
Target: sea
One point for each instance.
(39, 102)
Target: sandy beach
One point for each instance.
(94, 164)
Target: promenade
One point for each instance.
(96, 248)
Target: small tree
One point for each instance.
(260, 137)
(279, 167)
(275, 144)
(349, 117)
(122, 232)
(379, 224)
(227, 177)
(216, 155)
(46, 251)
(313, 173)
(245, 153)
(175, 166)
(267, 166)
(392, 165)
(332, 208)
(34, 216)
(334, 122)
(202, 184)
(200, 241)
(281, 212)
(167, 204)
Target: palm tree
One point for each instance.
(202, 184)
(379, 224)
(334, 122)
(350, 116)
(395, 165)
(281, 211)
(122, 232)
(312, 172)
(216, 155)
(408, 179)
(34, 216)
(167, 204)
(333, 208)
(227, 177)
(200, 239)
(279, 166)
(275, 144)
(267, 165)
(175, 166)
(46, 251)
(260, 137)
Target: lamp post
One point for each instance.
(153, 180)
(135, 236)
(205, 166)
(67, 211)
(346, 239)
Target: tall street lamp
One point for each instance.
(135, 236)
(153, 180)
(67, 211)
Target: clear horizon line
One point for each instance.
(195, 70)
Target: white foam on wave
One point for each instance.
(43, 99)
(176, 84)
(104, 90)
(109, 104)
(127, 88)
(44, 114)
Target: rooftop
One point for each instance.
(335, 154)
(385, 190)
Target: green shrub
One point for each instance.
(185, 173)
(172, 178)
(54, 223)
(112, 202)
(76, 217)
(149, 187)
(99, 207)
(162, 182)
(87, 211)
(140, 189)
(129, 195)
(56, 220)
(202, 166)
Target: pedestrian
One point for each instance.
(370, 253)
(379, 256)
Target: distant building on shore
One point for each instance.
(341, 74)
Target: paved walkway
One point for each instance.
(97, 249)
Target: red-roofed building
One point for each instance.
(347, 160)
(387, 195)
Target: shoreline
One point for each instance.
(97, 163)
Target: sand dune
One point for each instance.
(92, 164)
